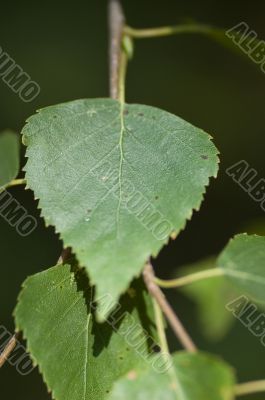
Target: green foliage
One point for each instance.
(9, 157)
(78, 357)
(116, 181)
(210, 296)
(243, 263)
(193, 377)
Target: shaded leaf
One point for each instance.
(78, 357)
(239, 39)
(116, 182)
(195, 377)
(9, 157)
(243, 263)
(210, 296)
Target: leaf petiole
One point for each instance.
(243, 389)
(122, 76)
(169, 30)
(160, 327)
(188, 279)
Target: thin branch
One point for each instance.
(172, 318)
(243, 389)
(170, 30)
(8, 349)
(188, 279)
(116, 25)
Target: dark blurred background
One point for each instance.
(63, 47)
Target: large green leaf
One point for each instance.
(210, 296)
(9, 157)
(78, 357)
(243, 262)
(195, 377)
(116, 182)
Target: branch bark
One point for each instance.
(8, 349)
(169, 313)
(116, 25)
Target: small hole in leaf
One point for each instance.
(125, 112)
(140, 114)
(204, 157)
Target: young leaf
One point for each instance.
(210, 296)
(9, 157)
(195, 377)
(78, 357)
(243, 262)
(116, 181)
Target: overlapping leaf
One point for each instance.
(194, 377)
(243, 262)
(9, 157)
(210, 296)
(79, 358)
(116, 181)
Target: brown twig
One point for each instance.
(172, 318)
(8, 349)
(116, 25)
